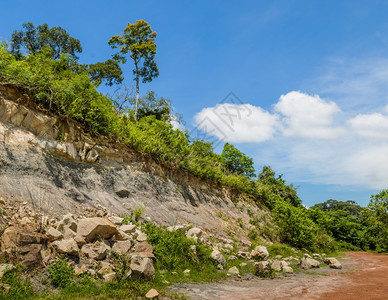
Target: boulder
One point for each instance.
(276, 265)
(219, 257)
(260, 252)
(17, 236)
(142, 267)
(53, 234)
(96, 251)
(92, 228)
(67, 222)
(66, 246)
(128, 229)
(116, 220)
(332, 262)
(262, 267)
(31, 256)
(288, 269)
(233, 271)
(122, 247)
(308, 263)
(317, 256)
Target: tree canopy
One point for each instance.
(33, 39)
(237, 162)
(139, 41)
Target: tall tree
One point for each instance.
(139, 41)
(34, 38)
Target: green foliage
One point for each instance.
(174, 251)
(237, 162)
(61, 274)
(272, 189)
(20, 285)
(139, 41)
(33, 39)
(108, 71)
(295, 227)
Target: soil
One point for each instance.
(363, 276)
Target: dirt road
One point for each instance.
(364, 276)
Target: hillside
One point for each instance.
(57, 167)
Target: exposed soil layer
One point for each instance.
(364, 276)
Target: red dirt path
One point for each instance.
(369, 281)
(364, 277)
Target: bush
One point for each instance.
(61, 274)
(20, 286)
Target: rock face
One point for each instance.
(64, 168)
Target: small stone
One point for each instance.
(142, 237)
(152, 293)
(116, 220)
(232, 257)
(243, 264)
(109, 277)
(128, 228)
(4, 268)
(288, 270)
(186, 272)
(233, 271)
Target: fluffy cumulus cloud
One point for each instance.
(237, 123)
(308, 116)
(373, 126)
(308, 138)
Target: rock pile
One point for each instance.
(87, 242)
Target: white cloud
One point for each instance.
(308, 116)
(237, 123)
(308, 138)
(370, 125)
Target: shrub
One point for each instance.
(61, 274)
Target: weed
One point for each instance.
(61, 274)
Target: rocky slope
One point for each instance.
(53, 165)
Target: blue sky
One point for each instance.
(311, 76)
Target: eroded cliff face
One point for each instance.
(57, 167)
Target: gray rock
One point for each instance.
(53, 234)
(262, 266)
(219, 257)
(122, 247)
(67, 246)
(92, 228)
(233, 271)
(260, 252)
(308, 263)
(142, 267)
(128, 229)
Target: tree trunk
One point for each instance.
(137, 91)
